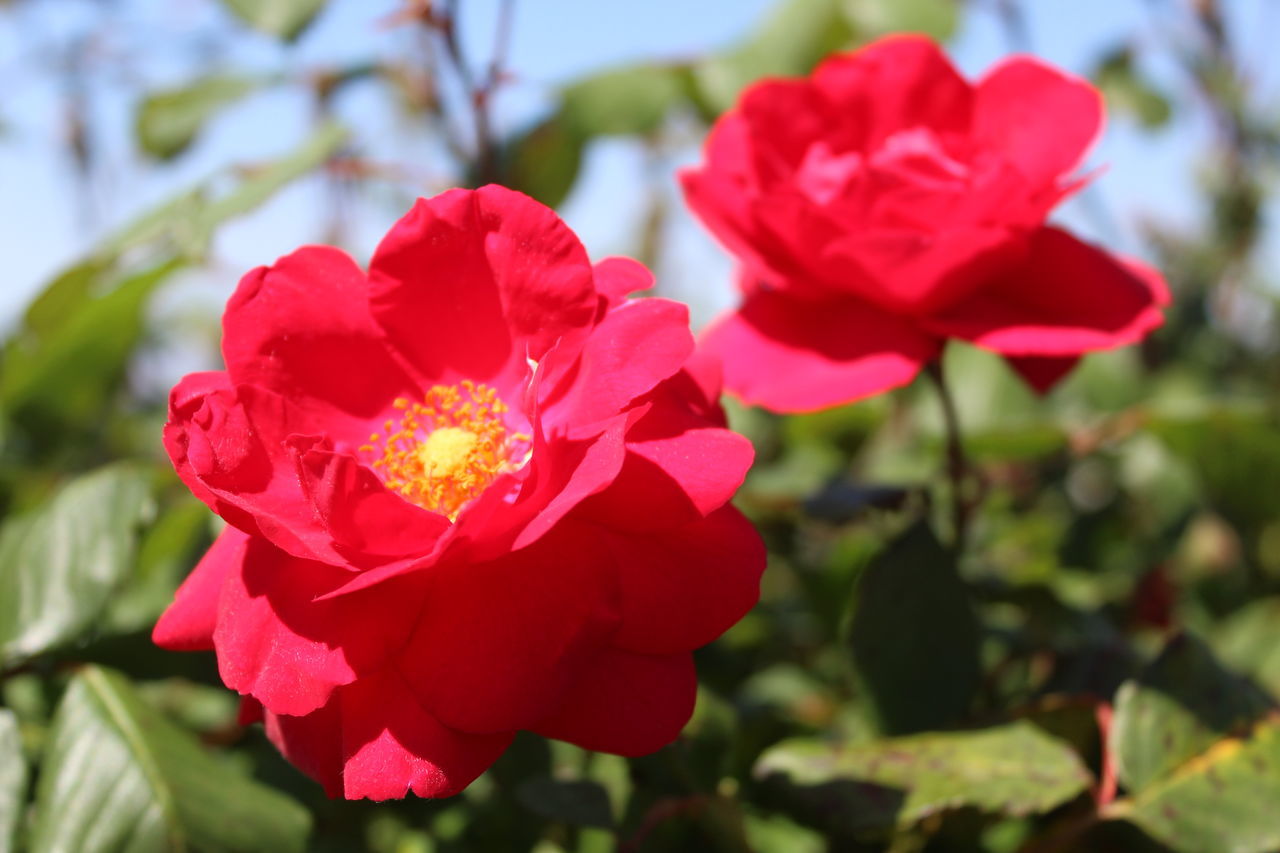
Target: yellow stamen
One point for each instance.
(447, 449)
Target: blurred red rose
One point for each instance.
(885, 204)
(473, 492)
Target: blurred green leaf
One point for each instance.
(60, 298)
(1249, 641)
(1221, 801)
(1230, 451)
(622, 101)
(872, 18)
(1177, 708)
(185, 223)
(167, 553)
(118, 776)
(914, 636)
(544, 161)
(577, 802)
(284, 19)
(60, 565)
(791, 40)
(1125, 89)
(13, 781)
(259, 183)
(1014, 769)
(776, 834)
(169, 121)
(69, 375)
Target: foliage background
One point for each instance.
(1098, 670)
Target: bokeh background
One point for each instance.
(1098, 672)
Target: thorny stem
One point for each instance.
(957, 462)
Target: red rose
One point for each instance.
(475, 491)
(884, 205)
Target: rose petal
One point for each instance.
(1042, 372)
(393, 746)
(289, 651)
(679, 467)
(681, 589)
(617, 278)
(625, 703)
(635, 346)
(1068, 298)
(895, 83)
(302, 328)
(237, 449)
(470, 284)
(187, 624)
(312, 743)
(496, 642)
(1042, 119)
(794, 356)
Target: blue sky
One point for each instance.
(554, 41)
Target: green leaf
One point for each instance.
(1231, 451)
(1249, 641)
(1178, 707)
(791, 41)
(261, 182)
(579, 803)
(60, 565)
(1014, 769)
(185, 223)
(914, 636)
(1125, 90)
(169, 121)
(60, 298)
(70, 374)
(622, 101)
(166, 554)
(544, 161)
(874, 18)
(118, 776)
(13, 781)
(1221, 801)
(284, 19)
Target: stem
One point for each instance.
(957, 462)
(479, 94)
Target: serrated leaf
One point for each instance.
(169, 121)
(621, 101)
(578, 802)
(118, 776)
(1014, 769)
(284, 19)
(1178, 707)
(13, 781)
(1221, 801)
(60, 565)
(913, 636)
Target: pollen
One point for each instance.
(445, 450)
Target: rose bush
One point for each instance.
(885, 204)
(474, 491)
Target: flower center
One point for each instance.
(444, 451)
